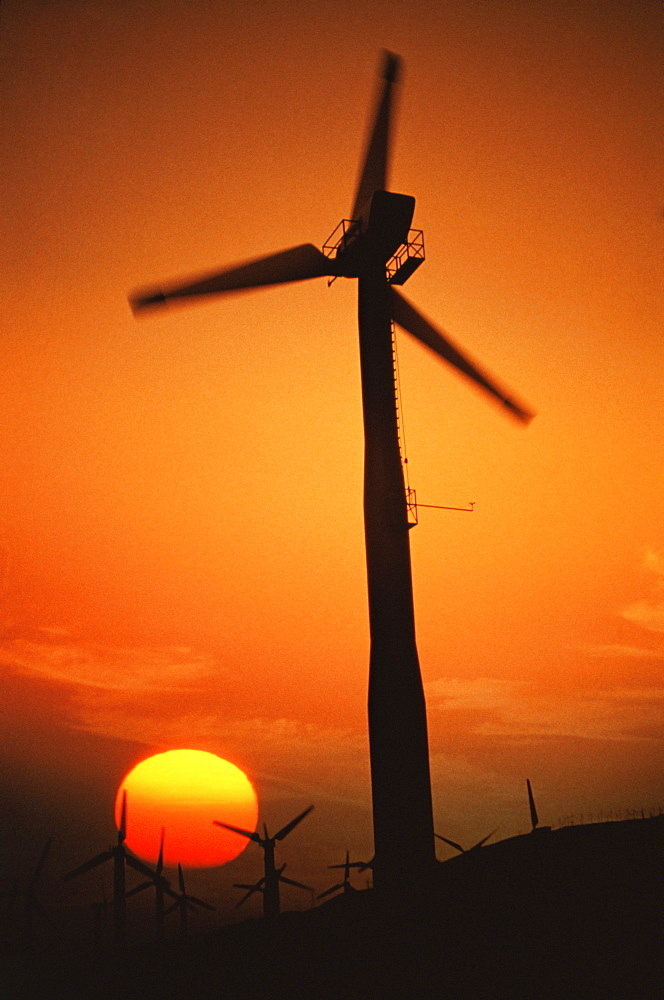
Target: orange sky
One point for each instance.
(181, 520)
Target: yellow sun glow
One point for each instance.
(184, 791)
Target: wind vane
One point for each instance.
(377, 247)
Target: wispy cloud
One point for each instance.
(619, 651)
(619, 715)
(150, 694)
(105, 667)
(275, 751)
(502, 707)
(648, 612)
(473, 693)
(654, 562)
(166, 696)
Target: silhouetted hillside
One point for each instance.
(570, 913)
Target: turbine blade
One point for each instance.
(347, 863)
(362, 867)
(483, 840)
(328, 892)
(36, 875)
(254, 887)
(236, 829)
(407, 316)
(139, 866)
(373, 175)
(87, 866)
(181, 879)
(122, 832)
(457, 847)
(138, 888)
(531, 802)
(293, 823)
(298, 885)
(252, 890)
(296, 264)
(200, 902)
(160, 859)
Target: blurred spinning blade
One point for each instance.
(296, 264)
(375, 166)
(408, 317)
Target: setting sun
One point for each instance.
(184, 791)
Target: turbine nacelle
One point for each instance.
(361, 249)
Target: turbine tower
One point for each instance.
(377, 247)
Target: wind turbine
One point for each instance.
(269, 883)
(29, 894)
(119, 856)
(184, 902)
(161, 886)
(465, 850)
(260, 887)
(345, 885)
(377, 247)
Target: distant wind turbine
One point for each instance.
(465, 850)
(361, 866)
(31, 902)
(184, 902)
(269, 883)
(120, 857)
(161, 886)
(260, 887)
(344, 885)
(377, 247)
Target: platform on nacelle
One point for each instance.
(399, 267)
(346, 233)
(407, 259)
